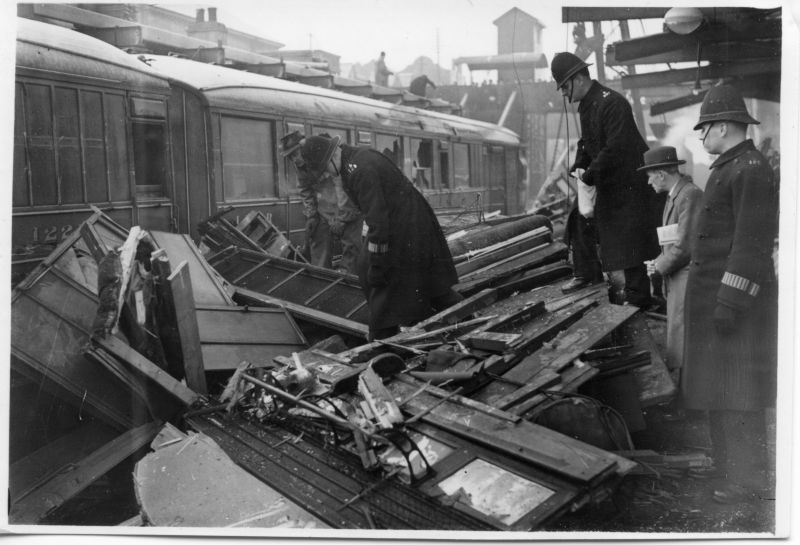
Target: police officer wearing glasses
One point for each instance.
(609, 152)
(730, 360)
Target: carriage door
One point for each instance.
(494, 163)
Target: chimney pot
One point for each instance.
(200, 15)
(212, 15)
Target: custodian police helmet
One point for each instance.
(317, 151)
(564, 66)
(724, 103)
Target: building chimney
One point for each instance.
(212, 15)
(200, 16)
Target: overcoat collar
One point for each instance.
(591, 95)
(739, 149)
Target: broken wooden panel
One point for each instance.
(325, 294)
(654, 381)
(118, 349)
(555, 355)
(258, 228)
(190, 481)
(533, 444)
(230, 335)
(55, 491)
(51, 320)
(207, 287)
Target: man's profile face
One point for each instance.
(657, 180)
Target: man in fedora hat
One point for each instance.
(730, 361)
(405, 268)
(683, 202)
(329, 212)
(609, 152)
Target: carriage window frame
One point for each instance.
(98, 133)
(381, 141)
(151, 178)
(423, 167)
(262, 146)
(462, 162)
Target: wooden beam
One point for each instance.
(714, 71)
(125, 353)
(665, 42)
(719, 52)
(571, 14)
(460, 310)
(39, 503)
(332, 321)
(182, 298)
(524, 440)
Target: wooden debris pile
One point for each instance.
(434, 428)
(125, 327)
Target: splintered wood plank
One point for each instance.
(54, 492)
(655, 383)
(494, 276)
(459, 311)
(182, 298)
(585, 333)
(522, 439)
(128, 355)
(351, 327)
(206, 286)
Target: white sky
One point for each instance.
(358, 30)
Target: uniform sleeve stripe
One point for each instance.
(376, 248)
(741, 283)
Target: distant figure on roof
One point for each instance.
(419, 85)
(381, 72)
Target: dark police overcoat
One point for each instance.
(611, 149)
(731, 264)
(403, 226)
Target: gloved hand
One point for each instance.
(311, 224)
(337, 227)
(724, 319)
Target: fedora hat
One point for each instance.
(663, 156)
(724, 103)
(291, 142)
(564, 66)
(317, 151)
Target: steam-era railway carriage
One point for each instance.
(163, 142)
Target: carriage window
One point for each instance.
(444, 164)
(149, 158)
(391, 146)
(422, 155)
(248, 164)
(461, 166)
(330, 131)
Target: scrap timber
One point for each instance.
(432, 428)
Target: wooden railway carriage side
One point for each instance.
(90, 128)
(227, 124)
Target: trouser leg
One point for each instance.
(583, 240)
(637, 286)
(321, 246)
(351, 246)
